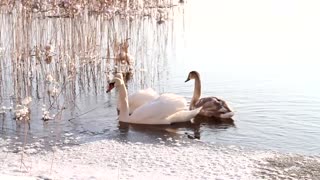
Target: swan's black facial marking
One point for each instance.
(110, 87)
(189, 77)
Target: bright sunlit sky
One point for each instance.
(252, 31)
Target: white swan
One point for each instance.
(166, 109)
(211, 106)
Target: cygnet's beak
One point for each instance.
(110, 87)
(187, 80)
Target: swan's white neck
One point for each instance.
(124, 105)
(196, 92)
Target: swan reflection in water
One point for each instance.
(152, 133)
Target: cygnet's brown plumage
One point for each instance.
(211, 106)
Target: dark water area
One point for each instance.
(267, 72)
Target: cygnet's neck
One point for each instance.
(196, 92)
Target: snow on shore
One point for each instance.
(110, 159)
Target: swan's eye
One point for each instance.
(110, 87)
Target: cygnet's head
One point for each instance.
(192, 75)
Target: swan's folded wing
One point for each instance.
(141, 97)
(156, 111)
(172, 103)
(213, 102)
(144, 92)
(207, 102)
(225, 105)
(214, 107)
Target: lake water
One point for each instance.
(263, 61)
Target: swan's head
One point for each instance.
(192, 75)
(115, 82)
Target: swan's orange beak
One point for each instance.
(187, 80)
(110, 87)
